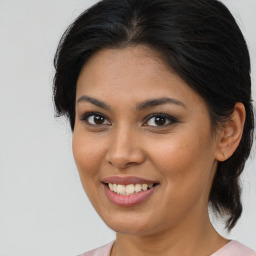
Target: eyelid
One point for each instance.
(89, 114)
(172, 119)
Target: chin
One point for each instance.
(130, 225)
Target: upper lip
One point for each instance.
(127, 180)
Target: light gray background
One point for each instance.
(43, 209)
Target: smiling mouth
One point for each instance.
(130, 189)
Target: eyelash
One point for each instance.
(86, 116)
(171, 120)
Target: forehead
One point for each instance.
(131, 74)
(140, 54)
(122, 66)
(114, 65)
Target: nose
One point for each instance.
(125, 149)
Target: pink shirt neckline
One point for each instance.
(232, 248)
(224, 248)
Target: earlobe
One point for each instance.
(230, 133)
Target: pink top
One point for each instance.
(233, 248)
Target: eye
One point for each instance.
(95, 119)
(158, 120)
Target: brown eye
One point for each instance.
(95, 119)
(158, 120)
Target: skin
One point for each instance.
(182, 155)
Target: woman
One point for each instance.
(158, 95)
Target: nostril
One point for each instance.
(125, 154)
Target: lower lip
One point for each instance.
(131, 200)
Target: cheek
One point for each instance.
(88, 154)
(184, 158)
(185, 164)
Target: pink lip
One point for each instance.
(128, 200)
(127, 180)
(131, 200)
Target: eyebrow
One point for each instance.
(94, 101)
(141, 106)
(157, 102)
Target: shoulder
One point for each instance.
(101, 251)
(234, 248)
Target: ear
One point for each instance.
(230, 133)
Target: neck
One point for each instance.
(193, 238)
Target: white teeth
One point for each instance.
(145, 186)
(129, 189)
(120, 189)
(138, 187)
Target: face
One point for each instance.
(139, 123)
